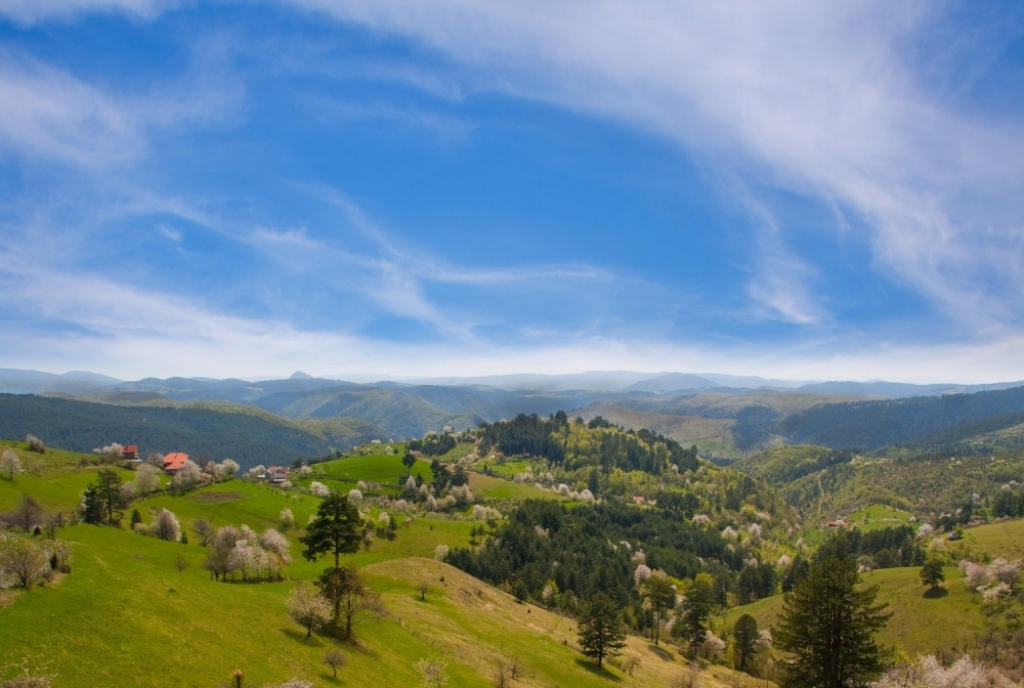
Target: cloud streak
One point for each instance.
(816, 98)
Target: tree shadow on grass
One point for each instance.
(935, 593)
(589, 665)
(331, 681)
(353, 645)
(300, 636)
(661, 653)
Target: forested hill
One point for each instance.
(575, 445)
(81, 426)
(919, 420)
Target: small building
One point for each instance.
(131, 453)
(174, 462)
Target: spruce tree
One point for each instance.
(829, 625)
(600, 628)
(745, 636)
(335, 530)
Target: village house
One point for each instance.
(174, 462)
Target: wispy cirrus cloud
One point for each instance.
(825, 100)
(28, 12)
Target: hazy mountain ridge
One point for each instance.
(722, 421)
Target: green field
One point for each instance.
(127, 616)
(878, 516)
(378, 468)
(920, 623)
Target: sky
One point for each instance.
(792, 189)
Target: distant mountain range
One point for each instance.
(722, 414)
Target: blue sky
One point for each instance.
(801, 190)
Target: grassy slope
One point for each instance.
(1004, 539)
(922, 625)
(126, 614)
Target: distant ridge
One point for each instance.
(15, 381)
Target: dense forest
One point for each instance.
(586, 549)
(874, 424)
(574, 445)
(81, 426)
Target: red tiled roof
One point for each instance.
(131, 449)
(174, 461)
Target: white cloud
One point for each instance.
(820, 98)
(28, 12)
(49, 113)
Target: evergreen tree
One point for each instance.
(829, 626)
(745, 635)
(335, 530)
(409, 460)
(697, 607)
(600, 628)
(661, 595)
(108, 488)
(92, 506)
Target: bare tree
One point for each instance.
(689, 677)
(23, 559)
(508, 672)
(180, 563)
(308, 608)
(434, 671)
(334, 659)
(27, 515)
(10, 463)
(202, 528)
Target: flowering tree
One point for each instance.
(147, 479)
(165, 526)
(308, 608)
(10, 463)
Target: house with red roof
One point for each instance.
(131, 453)
(174, 462)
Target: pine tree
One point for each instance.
(600, 628)
(108, 486)
(697, 607)
(661, 594)
(92, 506)
(335, 530)
(829, 626)
(745, 636)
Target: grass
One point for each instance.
(490, 487)
(127, 616)
(878, 516)
(479, 625)
(920, 624)
(378, 468)
(1004, 539)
